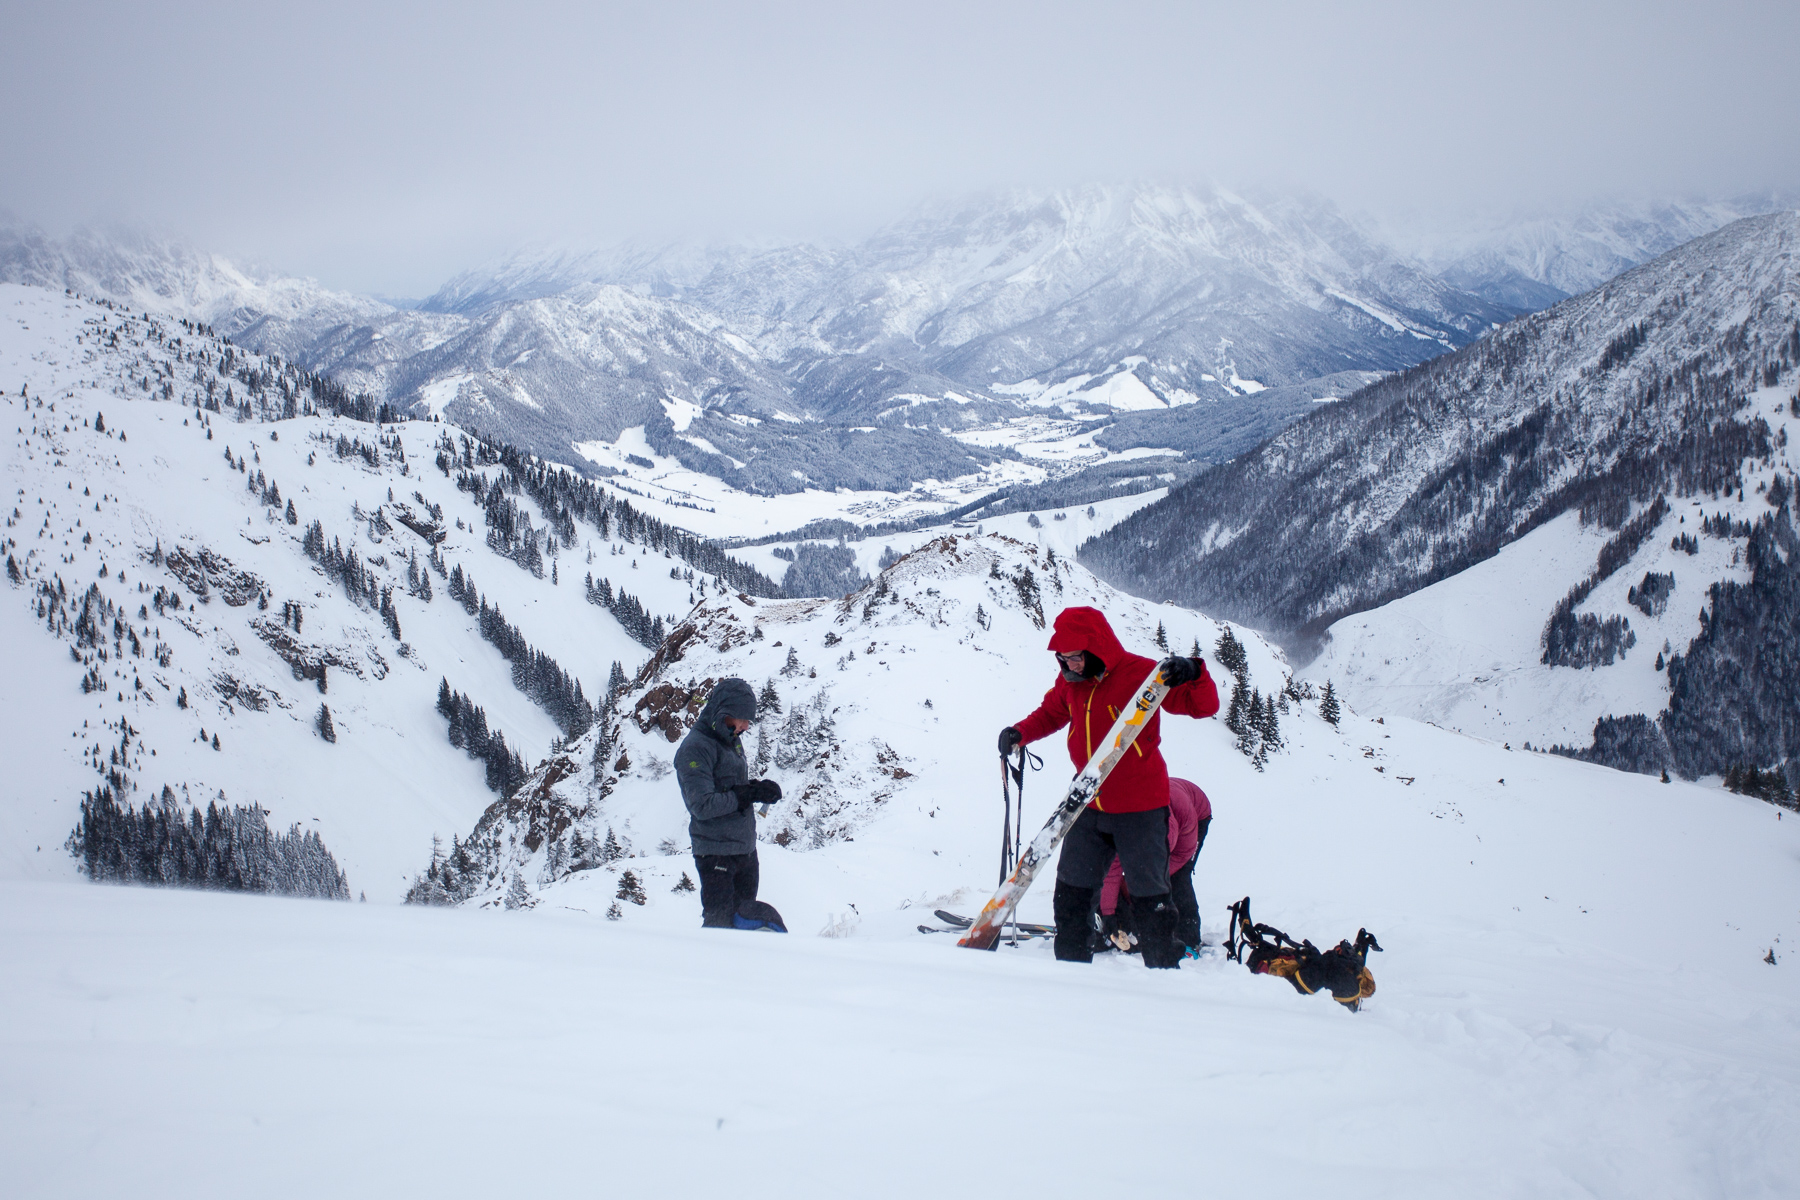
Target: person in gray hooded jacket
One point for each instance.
(716, 787)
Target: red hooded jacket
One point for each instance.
(1089, 707)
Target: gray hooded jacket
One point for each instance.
(709, 761)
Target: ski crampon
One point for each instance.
(984, 934)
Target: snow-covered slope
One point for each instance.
(1636, 406)
(877, 726)
(1574, 997)
(151, 506)
(157, 275)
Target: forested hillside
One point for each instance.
(1609, 406)
(1600, 403)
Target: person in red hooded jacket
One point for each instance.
(1128, 817)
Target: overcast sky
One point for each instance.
(381, 147)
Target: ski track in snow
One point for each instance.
(1572, 1001)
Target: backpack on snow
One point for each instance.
(1342, 970)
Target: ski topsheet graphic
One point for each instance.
(984, 934)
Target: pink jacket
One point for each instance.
(1188, 806)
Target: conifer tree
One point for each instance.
(602, 753)
(1162, 637)
(1328, 706)
(1249, 743)
(1230, 653)
(1271, 727)
(631, 889)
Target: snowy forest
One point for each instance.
(230, 848)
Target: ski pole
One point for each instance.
(1006, 856)
(1018, 778)
(1006, 767)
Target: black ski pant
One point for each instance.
(1181, 894)
(1141, 842)
(1187, 908)
(1181, 890)
(1139, 839)
(726, 881)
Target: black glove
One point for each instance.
(757, 791)
(1177, 671)
(1010, 738)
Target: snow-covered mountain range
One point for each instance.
(1532, 262)
(1639, 406)
(866, 365)
(1208, 293)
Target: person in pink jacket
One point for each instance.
(1190, 815)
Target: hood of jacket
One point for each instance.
(729, 698)
(1086, 629)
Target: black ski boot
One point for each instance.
(1155, 921)
(1071, 906)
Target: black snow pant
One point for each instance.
(726, 881)
(1181, 895)
(1187, 908)
(1139, 839)
(1141, 842)
(1181, 891)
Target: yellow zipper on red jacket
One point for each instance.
(1088, 728)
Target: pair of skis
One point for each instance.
(985, 932)
(953, 923)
